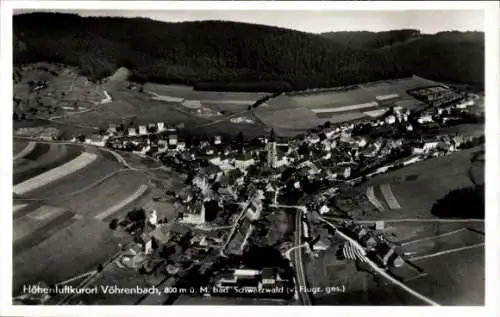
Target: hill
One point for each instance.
(214, 51)
(372, 40)
(446, 56)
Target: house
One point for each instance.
(172, 141)
(181, 146)
(161, 126)
(391, 119)
(132, 131)
(243, 161)
(143, 130)
(425, 147)
(368, 241)
(425, 116)
(112, 128)
(217, 140)
(387, 255)
(324, 209)
(202, 183)
(255, 205)
(97, 140)
(267, 277)
(320, 246)
(195, 218)
(313, 139)
(361, 142)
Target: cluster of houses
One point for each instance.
(381, 250)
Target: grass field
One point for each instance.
(54, 174)
(298, 111)
(19, 146)
(106, 194)
(417, 187)
(453, 279)
(77, 181)
(62, 256)
(186, 92)
(42, 159)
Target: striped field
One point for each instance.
(115, 208)
(370, 194)
(389, 196)
(27, 150)
(54, 174)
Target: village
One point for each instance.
(233, 184)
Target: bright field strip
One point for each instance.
(115, 208)
(391, 200)
(76, 183)
(101, 195)
(35, 220)
(56, 155)
(370, 194)
(187, 92)
(54, 174)
(19, 207)
(346, 108)
(27, 150)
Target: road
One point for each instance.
(298, 264)
(371, 221)
(374, 266)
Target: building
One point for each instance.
(254, 207)
(97, 140)
(224, 164)
(181, 146)
(243, 161)
(217, 140)
(143, 130)
(161, 126)
(391, 119)
(271, 154)
(195, 218)
(132, 132)
(425, 117)
(112, 128)
(202, 183)
(172, 141)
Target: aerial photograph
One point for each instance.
(218, 157)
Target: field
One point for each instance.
(417, 187)
(186, 92)
(455, 249)
(43, 158)
(62, 89)
(62, 254)
(58, 232)
(54, 174)
(313, 108)
(22, 148)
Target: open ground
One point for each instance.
(57, 226)
(287, 113)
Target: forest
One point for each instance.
(215, 54)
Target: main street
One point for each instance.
(300, 275)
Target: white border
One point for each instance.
(492, 169)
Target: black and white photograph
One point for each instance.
(223, 157)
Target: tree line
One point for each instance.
(215, 54)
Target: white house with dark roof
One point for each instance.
(143, 130)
